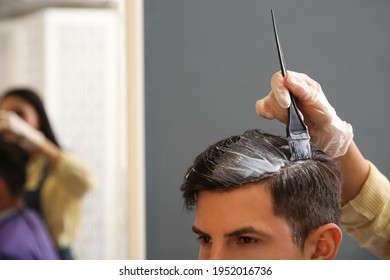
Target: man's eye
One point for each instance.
(246, 240)
(204, 240)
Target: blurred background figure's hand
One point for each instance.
(16, 130)
(328, 132)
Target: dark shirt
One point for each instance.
(23, 236)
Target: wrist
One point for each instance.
(335, 138)
(32, 140)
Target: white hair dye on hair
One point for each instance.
(257, 159)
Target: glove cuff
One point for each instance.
(338, 136)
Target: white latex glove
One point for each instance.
(16, 128)
(327, 131)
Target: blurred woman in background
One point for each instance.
(56, 180)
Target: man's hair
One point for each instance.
(13, 162)
(307, 194)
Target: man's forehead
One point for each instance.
(249, 202)
(230, 213)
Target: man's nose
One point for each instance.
(219, 252)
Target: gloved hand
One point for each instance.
(16, 129)
(327, 131)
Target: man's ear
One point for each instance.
(325, 242)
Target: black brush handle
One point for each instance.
(294, 121)
(279, 47)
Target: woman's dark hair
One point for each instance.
(13, 162)
(307, 194)
(35, 101)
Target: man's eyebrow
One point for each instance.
(246, 230)
(237, 232)
(198, 231)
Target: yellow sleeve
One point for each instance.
(367, 217)
(61, 197)
(73, 175)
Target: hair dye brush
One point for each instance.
(297, 135)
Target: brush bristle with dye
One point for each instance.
(299, 146)
(297, 134)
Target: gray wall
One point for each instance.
(208, 61)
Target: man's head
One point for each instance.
(252, 202)
(13, 162)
